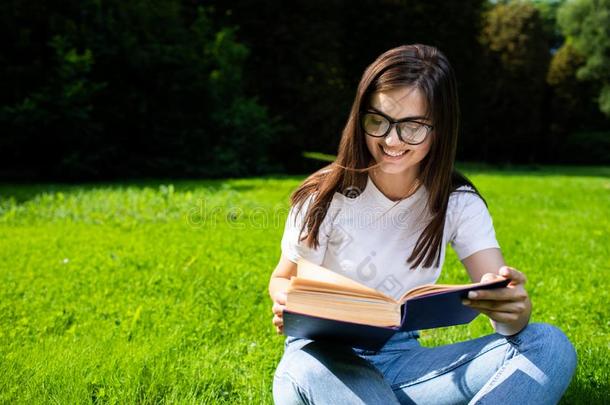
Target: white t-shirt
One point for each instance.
(370, 237)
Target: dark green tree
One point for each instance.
(577, 124)
(548, 13)
(107, 89)
(516, 52)
(586, 25)
(307, 57)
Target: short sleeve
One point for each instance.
(292, 248)
(471, 226)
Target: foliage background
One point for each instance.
(108, 89)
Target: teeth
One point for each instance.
(394, 153)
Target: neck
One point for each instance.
(396, 186)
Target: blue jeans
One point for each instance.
(534, 366)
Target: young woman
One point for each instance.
(382, 215)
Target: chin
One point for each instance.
(393, 169)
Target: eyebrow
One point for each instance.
(415, 117)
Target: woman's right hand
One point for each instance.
(279, 303)
(278, 285)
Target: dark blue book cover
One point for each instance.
(428, 311)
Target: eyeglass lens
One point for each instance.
(377, 125)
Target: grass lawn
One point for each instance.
(156, 291)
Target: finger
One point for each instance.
(278, 321)
(280, 297)
(279, 329)
(500, 306)
(514, 275)
(501, 316)
(490, 277)
(498, 294)
(278, 309)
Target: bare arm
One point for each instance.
(483, 261)
(277, 289)
(508, 308)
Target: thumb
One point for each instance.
(490, 277)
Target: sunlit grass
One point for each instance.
(157, 291)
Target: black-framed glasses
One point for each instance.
(409, 130)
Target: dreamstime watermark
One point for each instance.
(341, 217)
(235, 217)
(354, 258)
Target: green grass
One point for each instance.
(122, 293)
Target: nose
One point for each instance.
(391, 138)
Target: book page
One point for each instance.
(313, 275)
(298, 284)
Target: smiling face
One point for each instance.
(395, 156)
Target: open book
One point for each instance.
(322, 304)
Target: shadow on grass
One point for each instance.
(579, 393)
(534, 170)
(22, 192)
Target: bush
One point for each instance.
(588, 147)
(515, 49)
(124, 89)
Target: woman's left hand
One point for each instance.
(505, 305)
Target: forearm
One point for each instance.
(278, 284)
(514, 327)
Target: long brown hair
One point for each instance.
(418, 66)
